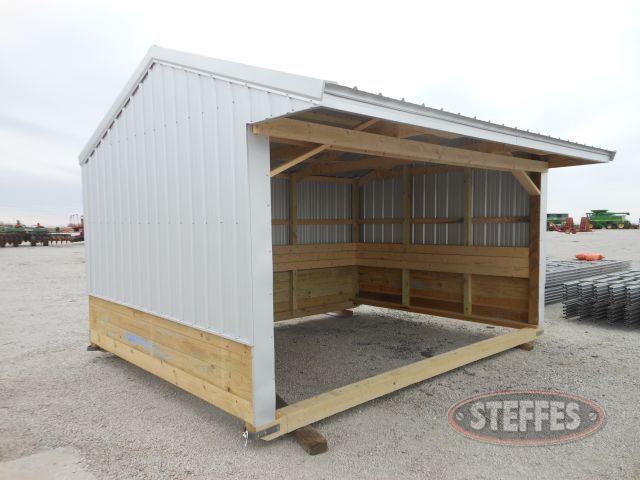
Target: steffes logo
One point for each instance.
(526, 417)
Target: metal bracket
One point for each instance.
(262, 433)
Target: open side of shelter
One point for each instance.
(221, 198)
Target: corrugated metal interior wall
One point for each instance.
(167, 200)
(316, 201)
(280, 210)
(381, 199)
(498, 194)
(436, 195)
(321, 201)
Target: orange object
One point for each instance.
(589, 257)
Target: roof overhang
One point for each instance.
(370, 105)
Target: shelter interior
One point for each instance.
(367, 211)
(356, 225)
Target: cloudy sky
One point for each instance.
(567, 69)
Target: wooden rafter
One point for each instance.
(372, 144)
(314, 151)
(345, 166)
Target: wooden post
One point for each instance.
(355, 212)
(534, 252)
(406, 230)
(468, 236)
(293, 239)
(293, 211)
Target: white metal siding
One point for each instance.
(167, 200)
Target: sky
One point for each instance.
(568, 69)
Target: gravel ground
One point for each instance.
(112, 420)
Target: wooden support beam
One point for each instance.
(407, 183)
(355, 213)
(309, 438)
(293, 211)
(468, 238)
(468, 207)
(534, 254)
(498, 322)
(293, 294)
(293, 239)
(324, 221)
(525, 180)
(342, 139)
(309, 411)
(500, 219)
(436, 220)
(331, 167)
(314, 151)
(417, 221)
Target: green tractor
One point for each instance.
(609, 220)
(13, 235)
(38, 234)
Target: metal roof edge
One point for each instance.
(366, 103)
(298, 85)
(117, 105)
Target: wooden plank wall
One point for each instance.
(318, 290)
(213, 368)
(498, 277)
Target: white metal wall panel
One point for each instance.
(324, 201)
(498, 194)
(167, 200)
(438, 195)
(381, 199)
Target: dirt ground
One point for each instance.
(90, 415)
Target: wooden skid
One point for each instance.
(309, 438)
(308, 411)
(212, 368)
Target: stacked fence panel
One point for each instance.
(613, 298)
(561, 271)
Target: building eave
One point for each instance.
(348, 99)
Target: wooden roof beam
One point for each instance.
(314, 151)
(372, 144)
(525, 180)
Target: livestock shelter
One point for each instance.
(220, 198)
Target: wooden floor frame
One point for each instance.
(306, 412)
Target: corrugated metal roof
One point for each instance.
(334, 96)
(347, 99)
